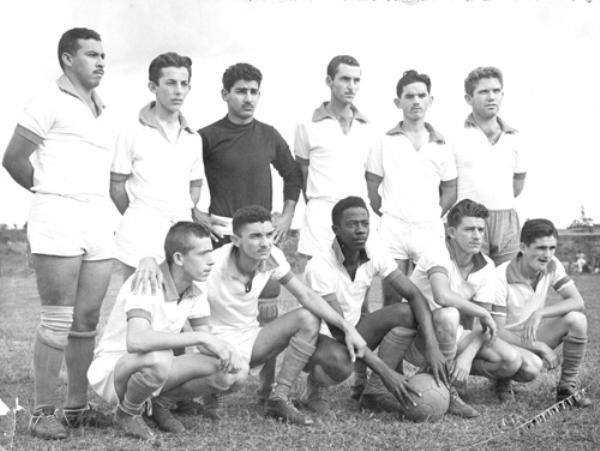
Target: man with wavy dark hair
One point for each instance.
(238, 154)
(534, 327)
(416, 171)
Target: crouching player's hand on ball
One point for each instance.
(437, 365)
(398, 386)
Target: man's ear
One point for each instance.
(335, 229)
(178, 258)
(224, 94)
(235, 240)
(522, 246)
(152, 87)
(469, 99)
(328, 81)
(397, 103)
(451, 231)
(67, 59)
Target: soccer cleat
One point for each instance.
(460, 408)
(380, 402)
(86, 416)
(283, 409)
(579, 399)
(504, 391)
(45, 425)
(314, 399)
(163, 417)
(212, 405)
(133, 426)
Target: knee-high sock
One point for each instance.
(46, 366)
(392, 349)
(140, 387)
(78, 356)
(297, 355)
(48, 351)
(573, 351)
(267, 312)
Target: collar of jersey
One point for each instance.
(322, 113)
(470, 123)
(434, 135)
(65, 85)
(170, 290)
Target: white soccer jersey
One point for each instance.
(517, 299)
(326, 274)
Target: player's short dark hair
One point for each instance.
(68, 41)
(249, 215)
(333, 65)
(479, 73)
(537, 228)
(179, 236)
(412, 76)
(170, 59)
(240, 71)
(466, 208)
(342, 205)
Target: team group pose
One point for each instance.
(198, 311)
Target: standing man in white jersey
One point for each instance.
(61, 151)
(490, 162)
(158, 160)
(417, 173)
(332, 150)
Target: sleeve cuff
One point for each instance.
(139, 313)
(28, 135)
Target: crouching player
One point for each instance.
(343, 276)
(242, 269)
(534, 327)
(460, 287)
(134, 362)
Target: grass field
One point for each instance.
(243, 426)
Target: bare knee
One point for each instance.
(510, 361)
(158, 366)
(531, 367)
(85, 319)
(231, 381)
(404, 315)
(577, 323)
(446, 321)
(337, 364)
(307, 322)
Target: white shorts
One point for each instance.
(101, 377)
(242, 340)
(67, 227)
(408, 241)
(316, 235)
(142, 233)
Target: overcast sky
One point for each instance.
(548, 51)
